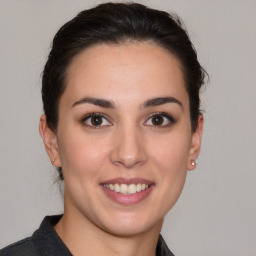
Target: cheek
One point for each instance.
(81, 153)
(171, 156)
(172, 152)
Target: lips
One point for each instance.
(127, 191)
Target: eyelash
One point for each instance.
(100, 115)
(170, 119)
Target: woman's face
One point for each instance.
(124, 138)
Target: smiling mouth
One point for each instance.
(127, 189)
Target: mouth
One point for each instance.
(126, 189)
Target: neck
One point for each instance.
(85, 238)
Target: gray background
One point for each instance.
(216, 214)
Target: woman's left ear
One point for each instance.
(50, 141)
(195, 144)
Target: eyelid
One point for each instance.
(170, 118)
(95, 114)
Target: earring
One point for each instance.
(53, 160)
(193, 163)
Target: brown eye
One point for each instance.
(157, 120)
(95, 120)
(160, 119)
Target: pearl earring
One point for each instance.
(193, 163)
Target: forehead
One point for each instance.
(116, 71)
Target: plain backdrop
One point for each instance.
(216, 213)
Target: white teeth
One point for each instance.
(138, 187)
(123, 188)
(117, 188)
(127, 189)
(132, 189)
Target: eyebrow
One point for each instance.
(110, 104)
(95, 101)
(160, 101)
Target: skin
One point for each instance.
(127, 144)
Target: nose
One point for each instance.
(128, 148)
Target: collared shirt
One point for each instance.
(46, 242)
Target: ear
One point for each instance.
(50, 141)
(195, 144)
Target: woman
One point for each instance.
(122, 124)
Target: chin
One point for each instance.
(131, 226)
(123, 231)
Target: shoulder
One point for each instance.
(23, 247)
(44, 242)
